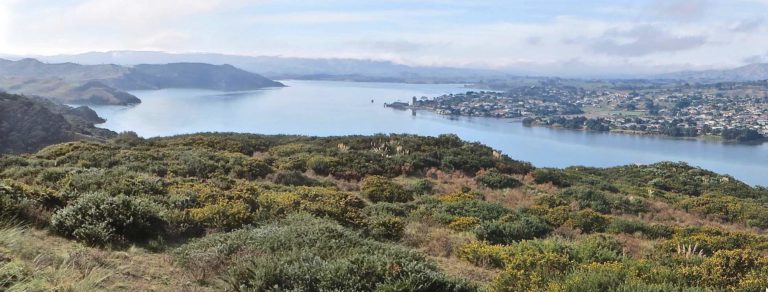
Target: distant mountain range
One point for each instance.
(294, 68)
(106, 83)
(752, 72)
(30, 123)
(275, 67)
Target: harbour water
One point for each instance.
(326, 108)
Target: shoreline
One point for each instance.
(709, 138)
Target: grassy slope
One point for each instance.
(665, 190)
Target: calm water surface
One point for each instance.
(322, 108)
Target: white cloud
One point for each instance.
(310, 17)
(5, 24)
(647, 35)
(643, 40)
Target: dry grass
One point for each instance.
(57, 264)
(450, 182)
(462, 269)
(519, 197)
(434, 240)
(635, 246)
(662, 212)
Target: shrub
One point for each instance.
(484, 254)
(555, 176)
(302, 253)
(290, 149)
(513, 280)
(588, 221)
(587, 198)
(127, 139)
(524, 227)
(652, 231)
(593, 277)
(496, 180)
(97, 218)
(447, 212)
(558, 216)
(381, 189)
(710, 240)
(343, 207)
(115, 182)
(422, 187)
(460, 196)
(597, 248)
(464, 223)
(296, 163)
(388, 209)
(531, 271)
(222, 214)
(293, 178)
(14, 198)
(248, 168)
(321, 165)
(728, 209)
(726, 268)
(385, 227)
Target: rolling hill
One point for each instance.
(277, 67)
(28, 124)
(106, 84)
(752, 72)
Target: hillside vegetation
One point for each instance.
(239, 212)
(28, 124)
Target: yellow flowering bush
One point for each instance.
(483, 254)
(460, 196)
(464, 223)
(223, 214)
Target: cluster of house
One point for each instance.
(704, 108)
(494, 104)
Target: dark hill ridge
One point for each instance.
(28, 124)
(106, 84)
(200, 75)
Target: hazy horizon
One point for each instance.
(553, 37)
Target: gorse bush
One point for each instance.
(597, 248)
(422, 187)
(729, 268)
(385, 227)
(322, 165)
(450, 211)
(728, 209)
(293, 178)
(306, 253)
(587, 221)
(520, 228)
(381, 189)
(14, 199)
(588, 198)
(554, 176)
(593, 277)
(710, 240)
(652, 231)
(98, 218)
(495, 180)
(324, 202)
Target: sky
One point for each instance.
(528, 36)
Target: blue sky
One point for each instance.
(538, 37)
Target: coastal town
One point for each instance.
(731, 111)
